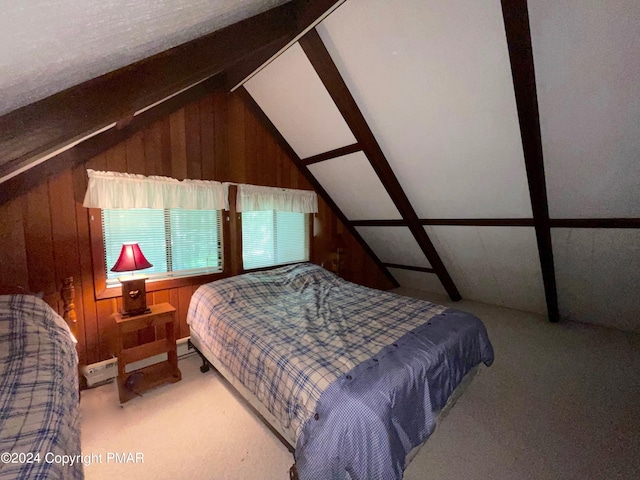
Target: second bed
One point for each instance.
(352, 377)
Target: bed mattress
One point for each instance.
(311, 347)
(39, 412)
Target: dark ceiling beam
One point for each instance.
(266, 122)
(36, 130)
(307, 13)
(409, 267)
(100, 142)
(508, 222)
(378, 223)
(338, 152)
(516, 22)
(595, 222)
(479, 222)
(326, 69)
(462, 222)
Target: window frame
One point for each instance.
(102, 291)
(231, 253)
(308, 218)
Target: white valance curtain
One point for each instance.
(112, 190)
(254, 198)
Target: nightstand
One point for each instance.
(136, 382)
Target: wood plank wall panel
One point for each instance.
(152, 143)
(251, 165)
(65, 239)
(193, 152)
(207, 139)
(90, 318)
(38, 240)
(117, 158)
(12, 240)
(45, 234)
(88, 329)
(237, 146)
(221, 136)
(167, 153)
(178, 145)
(134, 147)
(64, 232)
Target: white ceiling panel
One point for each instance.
(292, 95)
(496, 265)
(598, 276)
(587, 71)
(427, 282)
(433, 80)
(354, 186)
(394, 245)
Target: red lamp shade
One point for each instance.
(130, 259)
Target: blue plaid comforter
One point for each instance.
(295, 334)
(39, 411)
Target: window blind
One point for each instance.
(274, 238)
(176, 242)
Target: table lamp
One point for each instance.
(134, 295)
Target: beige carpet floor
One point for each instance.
(562, 401)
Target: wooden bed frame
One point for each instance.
(63, 303)
(68, 294)
(55, 419)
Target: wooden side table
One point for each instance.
(138, 381)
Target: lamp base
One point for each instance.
(134, 296)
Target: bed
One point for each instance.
(39, 409)
(351, 378)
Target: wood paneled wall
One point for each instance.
(45, 237)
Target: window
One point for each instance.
(274, 238)
(177, 242)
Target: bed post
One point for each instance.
(68, 294)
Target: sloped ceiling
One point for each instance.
(78, 122)
(588, 73)
(47, 46)
(434, 83)
(410, 115)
